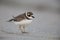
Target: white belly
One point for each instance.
(23, 22)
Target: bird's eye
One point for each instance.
(29, 15)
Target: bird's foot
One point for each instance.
(24, 32)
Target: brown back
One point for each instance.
(20, 17)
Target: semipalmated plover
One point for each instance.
(22, 20)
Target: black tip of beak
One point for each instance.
(33, 17)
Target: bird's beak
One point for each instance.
(33, 17)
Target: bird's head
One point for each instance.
(30, 15)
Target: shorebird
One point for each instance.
(22, 20)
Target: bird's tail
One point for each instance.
(10, 20)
